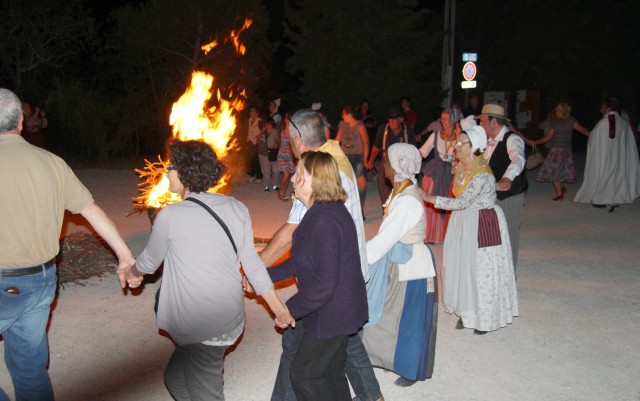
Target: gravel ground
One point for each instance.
(577, 337)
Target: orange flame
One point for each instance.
(192, 118)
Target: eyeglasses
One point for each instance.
(460, 143)
(171, 167)
(294, 126)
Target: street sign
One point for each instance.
(469, 71)
(468, 84)
(473, 57)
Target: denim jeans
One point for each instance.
(358, 368)
(23, 323)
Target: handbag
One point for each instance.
(272, 154)
(224, 227)
(535, 159)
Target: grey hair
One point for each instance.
(309, 125)
(10, 110)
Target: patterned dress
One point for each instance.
(558, 165)
(285, 154)
(479, 282)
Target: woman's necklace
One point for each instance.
(449, 143)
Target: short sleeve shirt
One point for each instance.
(37, 187)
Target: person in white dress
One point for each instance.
(479, 279)
(612, 170)
(403, 308)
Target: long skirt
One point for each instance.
(558, 166)
(437, 181)
(404, 340)
(479, 283)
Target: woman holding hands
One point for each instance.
(331, 300)
(479, 279)
(201, 297)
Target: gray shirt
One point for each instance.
(201, 296)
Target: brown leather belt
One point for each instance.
(23, 271)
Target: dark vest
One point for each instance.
(499, 162)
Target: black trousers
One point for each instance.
(317, 371)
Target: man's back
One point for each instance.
(37, 187)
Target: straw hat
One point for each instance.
(493, 110)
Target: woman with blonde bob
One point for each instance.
(326, 262)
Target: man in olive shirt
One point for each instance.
(37, 187)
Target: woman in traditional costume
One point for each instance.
(479, 279)
(438, 175)
(401, 332)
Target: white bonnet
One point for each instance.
(468, 122)
(405, 160)
(478, 137)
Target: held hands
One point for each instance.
(284, 320)
(503, 185)
(126, 277)
(426, 197)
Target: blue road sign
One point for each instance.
(466, 57)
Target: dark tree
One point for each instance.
(346, 51)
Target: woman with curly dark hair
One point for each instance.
(201, 299)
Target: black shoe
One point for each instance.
(613, 208)
(479, 332)
(599, 206)
(460, 325)
(404, 382)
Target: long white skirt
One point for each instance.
(480, 284)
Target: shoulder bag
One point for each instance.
(535, 159)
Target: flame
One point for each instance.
(192, 118)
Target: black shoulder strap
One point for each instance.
(215, 216)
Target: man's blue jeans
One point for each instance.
(23, 323)
(358, 368)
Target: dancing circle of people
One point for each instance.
(471, 200)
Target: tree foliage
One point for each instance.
(379, 50)
(39, 39)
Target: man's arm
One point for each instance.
(279, 245)
(515, 148)
(108, 231)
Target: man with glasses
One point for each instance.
(306, 130)
(506, 157)
(393, 132)
(37, 187)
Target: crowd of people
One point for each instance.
(360, 303)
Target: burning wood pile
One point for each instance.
(82, 255)
(192, 117)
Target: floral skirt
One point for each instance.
(558, 166)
